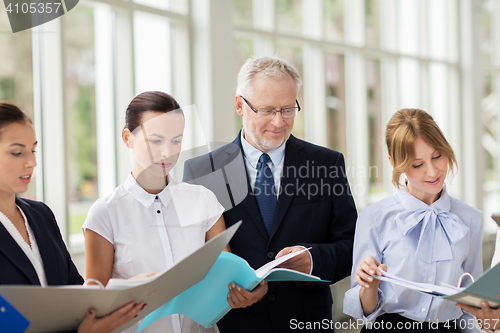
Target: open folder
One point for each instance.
(206, 302)
(485, 288)
(55, 309)
(10, 319)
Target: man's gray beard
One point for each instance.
(265, 145)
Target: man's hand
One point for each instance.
(241, 298)
(300, 263)
(487, 317)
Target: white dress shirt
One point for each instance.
(150, 233)
(275, 163)
(33, 253)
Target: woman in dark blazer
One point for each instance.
(32, 251)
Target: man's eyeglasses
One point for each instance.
(270, 113)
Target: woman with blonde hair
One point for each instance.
(420, 234)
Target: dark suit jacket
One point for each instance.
(315, 209)
(16, 268)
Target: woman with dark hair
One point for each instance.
(151, 221)
(32, 251)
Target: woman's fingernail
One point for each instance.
(143, 306)
(239, 289)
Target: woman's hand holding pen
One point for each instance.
(368, 267)
(241, 298)
(369, 286)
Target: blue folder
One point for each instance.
(11, 320)
(206, 301)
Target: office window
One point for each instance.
(490, 139)
(243, 13)
(409, 83)
(334, 20)
(408, 28)
(335, 101)
(293, 53)
(180, 6)
(438, 13)
(153, 70)
(16, 75)
(16, 83)
(375, 127)
(289, 16)
(372, 23)
(486, 30)
(80, 116)
(439, 96)
(244, 49)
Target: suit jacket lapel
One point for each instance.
(14, 252)
(43, 240)
(294, 158)
(250, 202)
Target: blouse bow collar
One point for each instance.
(439, 227)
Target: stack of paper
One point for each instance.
(486, 288)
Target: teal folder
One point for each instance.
(485, 288)
(206, 301)
(11, 320)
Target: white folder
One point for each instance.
(62, 308)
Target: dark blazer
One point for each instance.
(315, 209)
(16, 268)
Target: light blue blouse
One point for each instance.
(420, 243)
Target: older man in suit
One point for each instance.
(290, 195)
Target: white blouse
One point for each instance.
(150, 233)
(33, 253)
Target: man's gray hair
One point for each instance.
(265, 67)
